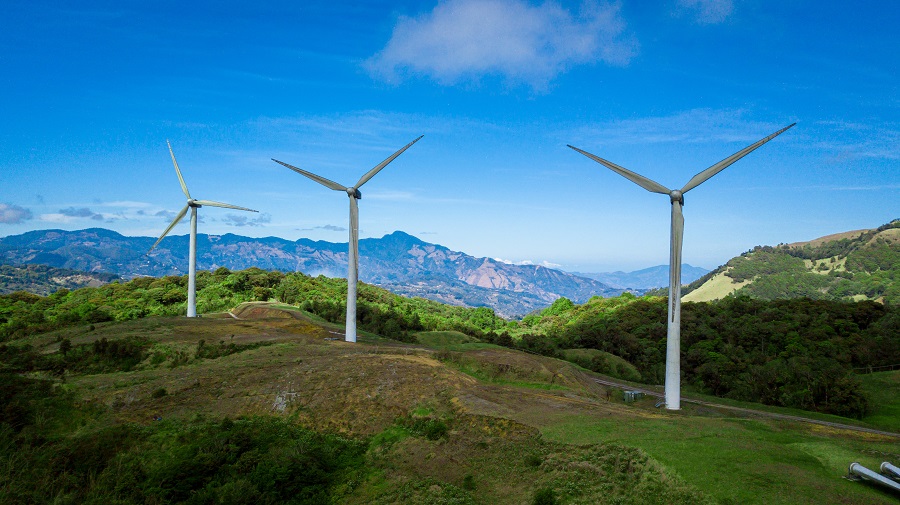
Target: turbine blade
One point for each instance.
(640, 180)
(371, 173)
(722, 165)
(321, 180)
(174, 222)
(177, 171)
(223, 205)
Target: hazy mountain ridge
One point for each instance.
(398, 261)
(43, 280)
(646, 278)
(857, 265)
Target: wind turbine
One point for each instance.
(353, 254)
(676, 196)
(193, 205)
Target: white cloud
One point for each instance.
(708, 12)
(544, 263)
(13, 214)
(693, 126)
(465, 39)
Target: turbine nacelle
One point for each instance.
(354, 192)
(193, 203)
(676, 196)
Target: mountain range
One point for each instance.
(647, 278)
(398, 262)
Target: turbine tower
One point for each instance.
(353, 253)
(676, 196)
(193, 205)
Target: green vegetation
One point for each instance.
(379, 311)
(113, 431)
(863, 267)
(882, 388)
(252, 460)
(794, 353)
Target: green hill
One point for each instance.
(268, 409)
(860, 265)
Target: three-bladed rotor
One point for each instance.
(676, 197)
(193, 204)
(353, 246)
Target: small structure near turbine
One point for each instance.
(676, 196)
(192, 204)
(353, 253)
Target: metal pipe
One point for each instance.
(861, 471)
(890, 470)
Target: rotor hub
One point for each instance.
(354, 192)
(676, 196)
(193, 203)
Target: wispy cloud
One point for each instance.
(693, 126)
(242, 220)
(463, 40)
(859, 140)
(327, 227)
(707, 12)
(13, 214)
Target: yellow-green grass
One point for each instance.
(716, 288)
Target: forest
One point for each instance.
(800, 353)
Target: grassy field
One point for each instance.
(452, 420)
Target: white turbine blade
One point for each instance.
(321, 180)
(722, 165)
(371, 173)
(177, 171)
(640, 180)
(174, 222)
(223, 205)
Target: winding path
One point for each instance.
(761, 413)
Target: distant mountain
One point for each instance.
(398, 262)
(856, 265)
(647, 278)
(43, 280)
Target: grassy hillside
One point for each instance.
(278, 413)
(860, 265)
(796, 353)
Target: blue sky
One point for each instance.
(90, 94)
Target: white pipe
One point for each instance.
(890, 470)
(865, 473)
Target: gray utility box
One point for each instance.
(631, 396)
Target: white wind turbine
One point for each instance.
(673, 338)
(353, 246)
(193, 205)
